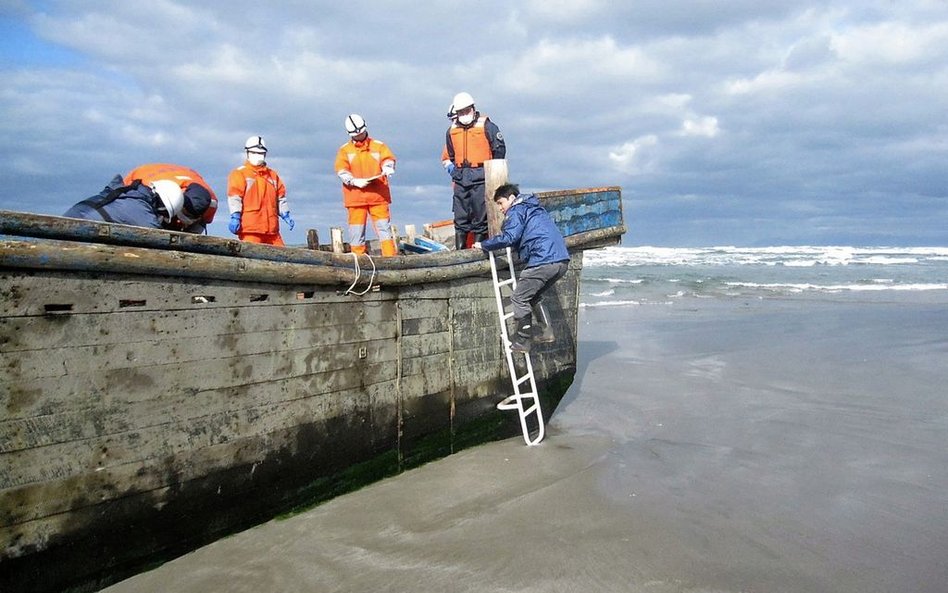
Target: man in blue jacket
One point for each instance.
(540, 245)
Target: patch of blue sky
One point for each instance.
(20, 47)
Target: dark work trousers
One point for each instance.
(532, 284)
(470, 210)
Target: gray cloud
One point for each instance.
(735, 123)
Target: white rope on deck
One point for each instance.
(358, 274)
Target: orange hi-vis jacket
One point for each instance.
(364, 160)
(185, 176)
(470, 145)
(260, 190)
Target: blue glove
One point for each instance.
(234, 224)
(450, 168)
(288, 219)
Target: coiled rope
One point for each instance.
(358, 274)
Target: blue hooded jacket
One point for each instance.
(134, 205)
(529, 228)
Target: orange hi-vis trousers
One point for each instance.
(381, 221)
(264, 239)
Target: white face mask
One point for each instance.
(256, 158)
(466, 119)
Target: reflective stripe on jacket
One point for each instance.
(259, 189)
(364, 160)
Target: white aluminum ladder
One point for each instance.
(525, 398)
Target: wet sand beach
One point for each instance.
(714, 446)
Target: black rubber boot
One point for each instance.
(521, 341)
(543, 333)
(460, 240)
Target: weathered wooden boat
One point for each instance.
(160, 390)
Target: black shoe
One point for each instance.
(521, 337)
(460, 240)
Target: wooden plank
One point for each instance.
(58, 460)
(410, 294)
(425, 345)
(157, 352)
(411, 305)
(156, 378)
(335, 234)
(312, 239)
(37, 499)
(313, 343)
(440, 363)
(495, 175)
(108, 414)
(51, 331)
(424, 325)
(26, 294)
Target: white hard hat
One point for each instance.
(255, 143)
(171, 195)
(355, 125)
(461, 101)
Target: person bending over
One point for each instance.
(158, 204)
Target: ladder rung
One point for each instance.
(511, 402)
(505, 282)
(515, 402)
(507, 316)
(522, 379)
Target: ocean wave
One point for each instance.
(621, 281)
(791, 256)
(610, 304)
(806, 287)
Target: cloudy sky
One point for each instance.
(725, 122)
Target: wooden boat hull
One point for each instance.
(157, 399)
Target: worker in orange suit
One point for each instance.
(365, 165)
(198, 194)
(257, 198)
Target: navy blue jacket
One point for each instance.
(529, 228)
(134, 205)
